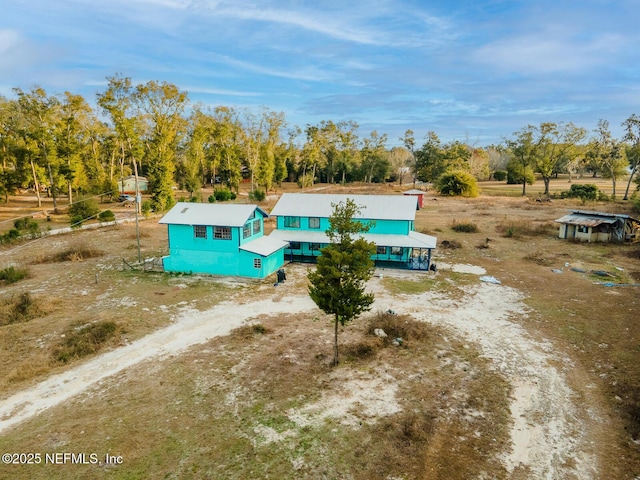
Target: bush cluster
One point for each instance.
(587, 191)
(257, 195)
(222, 195)
(500, 175)
(22, 309)
(464, 227)
(26, 226)
(12, 275)
(83, 210)
(85, 341)
(458, 182)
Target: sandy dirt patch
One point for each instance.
(547, 438)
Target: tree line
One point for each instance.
(60, 145)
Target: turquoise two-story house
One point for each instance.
(303, 219)
(221, 239)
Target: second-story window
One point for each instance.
(199, 231)
(314, 222)
(222, 233)
(256, 226)
(246, 230)
(292, 222)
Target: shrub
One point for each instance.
(464, 227)
(305, 180)
(588, 191)
(458, 182)
(212, 198)
(450, 244)
(500, 175)
(85, 341)
(11, 236)
(83, 210)
(257, 195)
(12, 275)
(398, 326)
(146, 208)
(26, 223)
(21, 310)
(223, 194)
(106, 216)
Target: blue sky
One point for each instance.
(470, 70)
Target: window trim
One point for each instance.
(315, 219)
(220, 233)
(291, 222)
(246, 230)
(257, 263)
(200, 231)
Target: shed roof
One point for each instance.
(228, 215)
(412, 240)
(264, 246)
(585, 220)
(414, 191)
(373, 207)
(592, 219)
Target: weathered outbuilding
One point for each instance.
(599, 227)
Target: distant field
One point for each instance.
(223, 409)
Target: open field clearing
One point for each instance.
(203, 377)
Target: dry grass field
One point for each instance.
(535, 378)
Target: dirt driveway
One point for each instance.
(549, 438)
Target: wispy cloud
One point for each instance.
(547, 52)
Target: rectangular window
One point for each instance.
(200, 231)
(294, 245)
(256, 227)
(314, 222)
(314, 247)
(292, 222)
(381, 250)
(222, 233)
(396, 250)
(246, 230)
(257, 263)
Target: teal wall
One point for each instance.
(217, 256)
(398, 227)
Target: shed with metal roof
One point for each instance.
(589, 226)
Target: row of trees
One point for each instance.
(550, 149)
(61, 145)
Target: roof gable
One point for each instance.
(373, 207)
(228, 215)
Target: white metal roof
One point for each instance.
(373, 207)
(586, 220)
(413, 239)
(414, 191)
(227, 215)
(264, 246)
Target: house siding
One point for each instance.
(216, 256)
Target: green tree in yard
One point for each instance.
(458, 182)
(610, 154)
(632, 135)
(339, 280)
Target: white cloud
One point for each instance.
(548, 52)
